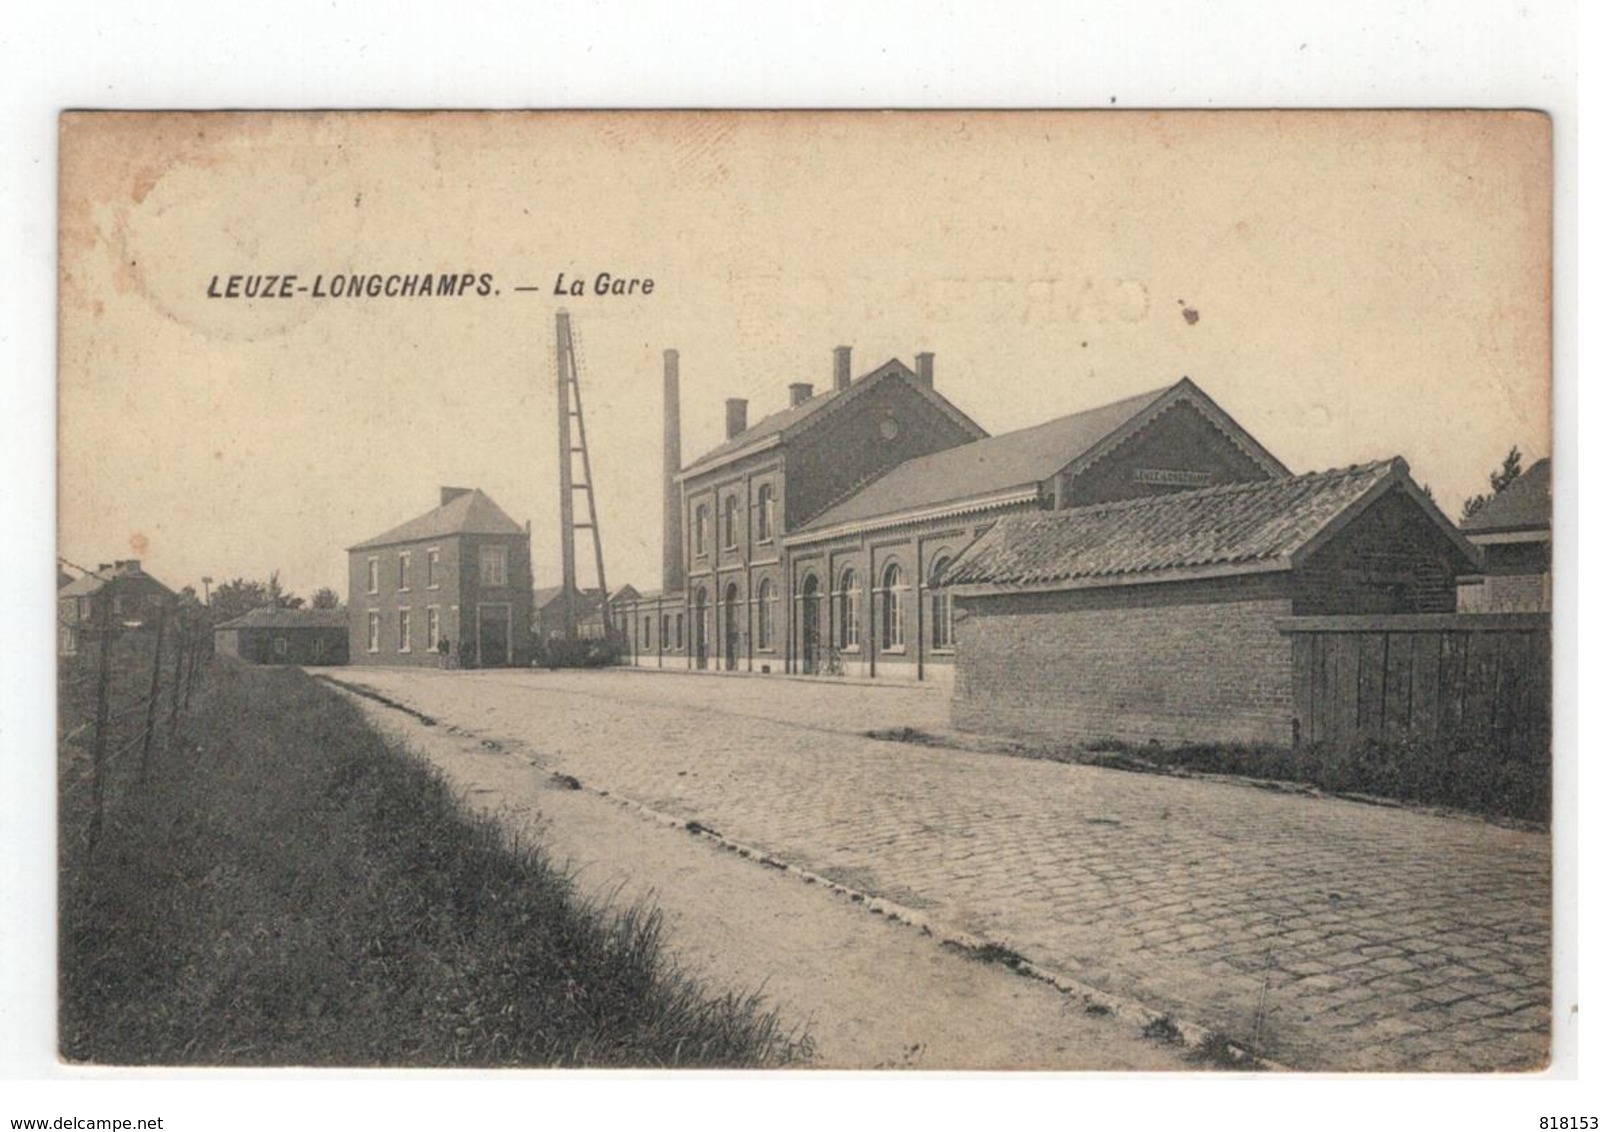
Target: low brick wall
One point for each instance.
(1181, 662)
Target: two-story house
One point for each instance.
(452, 586)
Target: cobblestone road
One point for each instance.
(1329, 934)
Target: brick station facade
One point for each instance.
(814, 541)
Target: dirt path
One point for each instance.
(871, 992)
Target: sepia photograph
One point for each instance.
(806, 590)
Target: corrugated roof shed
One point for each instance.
(1524, 505)
(1267, 525)
(472, 513)
(269, 617)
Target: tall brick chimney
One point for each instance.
(924, 369)
(736, 416)
(799, 392)
(841, 374)
(674, 573)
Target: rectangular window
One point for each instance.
(681, 626)
(373, 575)
(943, 621)
(664, 631)
(729, 523)
(494, 565)
(373, 631)
(402, 562)
(281, 646)
(432, 628)
(432, 568)
(647, 632)
(404, 630)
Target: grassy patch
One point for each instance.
(1479, 777)
(1217, 1052)
(987, 952)
(1164, 1030)
(288, 888)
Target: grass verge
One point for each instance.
(289, 888)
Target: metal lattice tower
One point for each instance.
(569, 408)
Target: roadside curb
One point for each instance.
(1191, 1037)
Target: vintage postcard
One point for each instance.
(908, 590)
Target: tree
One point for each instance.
(325, 598)
(239, 596)
(1512, 467)
(279, 597)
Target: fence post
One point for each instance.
(156, 688)
(102, 681)
(195, 665)
(173, 696)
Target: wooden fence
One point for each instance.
(1438, 679)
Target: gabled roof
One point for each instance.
(86, 584)
(585, 599)
(789, 421)
(472, 513)
(270, 617)
(1523, 505)
(1010, 467)
(1239, 528)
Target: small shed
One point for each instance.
(267, 635)
(1157, 618)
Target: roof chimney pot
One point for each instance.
(840, 368)
(799, 392)
(736, 417)
(924, 369)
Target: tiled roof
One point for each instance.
(796, 415)
(472, 513)
(1525, 504)
(984, 467)
(1265, 525)
(269, 617)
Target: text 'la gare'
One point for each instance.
(603, 284)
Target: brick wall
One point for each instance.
(1189, 661)
(847, 450)
(1389, 559)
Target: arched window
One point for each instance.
(848, 610)
(767, 601)
(892, 607)
(700, 531)
(767, 512)
(729, 524)
(943, 608)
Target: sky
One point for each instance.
(1349, 286)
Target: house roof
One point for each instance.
(771, 429)
(1005, 467)
(546, 595)
(1238, 528)
(86, 584)
(472, 513)
(1523, 505)
(270, 617)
